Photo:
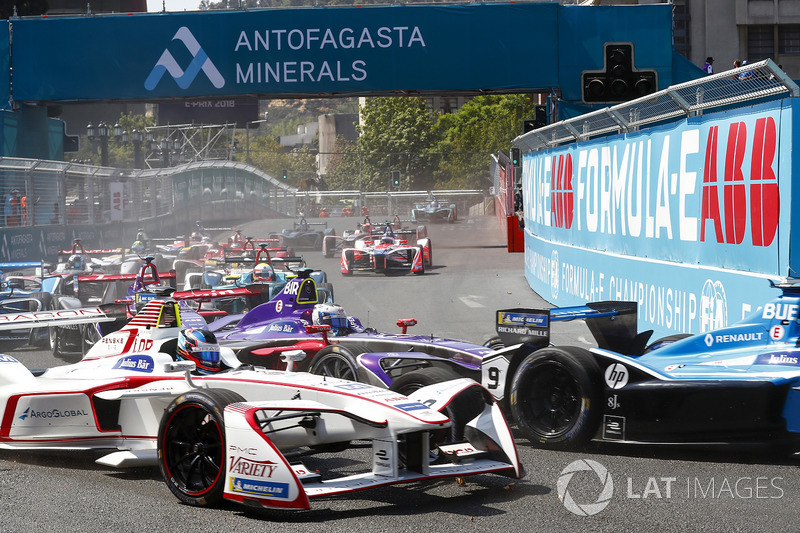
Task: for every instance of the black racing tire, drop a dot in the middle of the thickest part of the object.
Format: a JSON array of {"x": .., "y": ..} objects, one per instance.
[
  {"x": 328, "y": 249},
  {"x": 461, "y": 410},
  {"x": 494, "y": 343},
  {"x": 336, "y": 361},
  {"x": 191, "y": 445},
  {"x": 89, "y": 337},
  {"x": 412, "y": 381},
  {"x": 40, "y": 336},
  {"x": 663, "y": 341},
  {"x": 556, "y": 397},
  {"x": 56, "y": 336},
  {"x": 430, "y": 255}
]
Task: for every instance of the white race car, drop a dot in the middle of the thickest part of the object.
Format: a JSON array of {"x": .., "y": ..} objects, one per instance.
[{"x": 229, "y": 434}]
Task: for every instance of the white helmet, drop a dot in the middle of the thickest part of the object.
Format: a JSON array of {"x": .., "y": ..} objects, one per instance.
[{"x": 330, "y": 315}]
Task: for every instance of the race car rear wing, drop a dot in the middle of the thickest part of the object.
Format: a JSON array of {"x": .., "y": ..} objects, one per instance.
[
  {"x": 612, "y": 324},
  {"x": 61, "y": 317}
]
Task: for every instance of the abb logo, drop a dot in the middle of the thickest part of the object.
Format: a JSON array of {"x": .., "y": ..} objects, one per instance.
[
  {"x": 761, "y": 202},
  {"x": 562, "y": 203}
]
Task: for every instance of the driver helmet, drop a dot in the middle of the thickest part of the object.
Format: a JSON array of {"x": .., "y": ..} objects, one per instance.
[
  {"x": 263, "y": 272},
  {"x": 200, "y": 346},
  {"x": 138, "y": 247},
  {"x": 330, "y": 315},
  {"x": 75, "y": 262},
  {"x": 387, "y": 239}
]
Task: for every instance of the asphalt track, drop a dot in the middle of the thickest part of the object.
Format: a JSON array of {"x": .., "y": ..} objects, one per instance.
[{"x": 650, "y": 489}]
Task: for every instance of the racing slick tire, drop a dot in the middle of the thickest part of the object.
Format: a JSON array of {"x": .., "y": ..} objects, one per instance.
[
  {"x": 663, "y": 341},
  {"x": 461, "y": 410},
  {"x": 191, "y": 445},
  {"x": 336, "y": 361},
  {"x": 429, "y": 265},
  {"x": 89, "y": 337},
  {"x": 556, "y": 397},
  {"x": 494, "y": 343},
  {"x": 41, "y": 336}
]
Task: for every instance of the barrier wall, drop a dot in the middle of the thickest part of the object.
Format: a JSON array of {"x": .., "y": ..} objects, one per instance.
[{"x": 689, "y": 219}]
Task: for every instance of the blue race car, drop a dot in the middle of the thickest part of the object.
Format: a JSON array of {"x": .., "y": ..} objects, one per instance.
[{"x": 735, "y": 386}]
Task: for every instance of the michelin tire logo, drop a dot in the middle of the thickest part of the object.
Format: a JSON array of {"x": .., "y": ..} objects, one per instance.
[{"x": 200, "y": 61}]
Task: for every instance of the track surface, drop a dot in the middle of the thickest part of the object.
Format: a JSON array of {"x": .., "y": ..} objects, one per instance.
[{"x": 473, "y": 275}]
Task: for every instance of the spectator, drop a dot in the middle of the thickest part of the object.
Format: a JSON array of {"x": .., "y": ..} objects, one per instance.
[
  {"x": 746, "y": 74},
  {"x": 24, "y": 204},
  {"x": 12, "y": 210},
  {"x": 8, "y": 208},
  {"x": 709, "y": 66}
]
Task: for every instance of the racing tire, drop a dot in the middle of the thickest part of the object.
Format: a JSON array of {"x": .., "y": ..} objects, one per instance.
[
  {"x": 663, "y": 341},
  {"x": 494, "y": 343},
  {"x": 461, "y": 410},
  {"x": 556, "y": 397},
  {"x": 41, "y": 336},
  {"x": 430, "y": 256},
  {"x": 191, "y": 445},
  {"x": 336, "y": 361},
  {"x": 55, "y": 336},
  {"x": 89, "y": 337}
]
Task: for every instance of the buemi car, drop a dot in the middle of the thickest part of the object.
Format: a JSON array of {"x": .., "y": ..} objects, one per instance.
[
  {"x": 241, "y": 433},
  {"x": 737, "y": 386}
]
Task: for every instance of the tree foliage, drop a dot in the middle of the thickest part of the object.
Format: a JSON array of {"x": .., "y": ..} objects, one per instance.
[
  {"x": 431, "y": 151},
  {"x": 396, "y": 133}
]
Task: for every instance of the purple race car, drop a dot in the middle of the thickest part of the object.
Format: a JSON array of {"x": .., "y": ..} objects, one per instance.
[{"x": 284, "y": 333}]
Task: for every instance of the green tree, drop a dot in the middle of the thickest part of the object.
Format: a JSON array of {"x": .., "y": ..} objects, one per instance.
[
  {"x": 482, "y": 127},
  {"x": 396, "y": 133}
]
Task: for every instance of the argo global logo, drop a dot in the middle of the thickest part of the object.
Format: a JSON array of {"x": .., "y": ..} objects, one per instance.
[{"x": 200, "y": 61}]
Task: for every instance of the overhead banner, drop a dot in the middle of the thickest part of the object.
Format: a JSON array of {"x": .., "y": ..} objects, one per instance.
[
  {"x": 690, "y": 219},
  {"x": 403, "y": 49}
]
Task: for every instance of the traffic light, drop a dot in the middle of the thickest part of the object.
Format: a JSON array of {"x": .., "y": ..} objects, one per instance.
[
  {"x": 619, "y": 81},
  {"x": 539, "y": 120},
  {"x": 515, "y": 160},
  {"x": 395, "y": 179},
  {"x": 285, "y": 174}
]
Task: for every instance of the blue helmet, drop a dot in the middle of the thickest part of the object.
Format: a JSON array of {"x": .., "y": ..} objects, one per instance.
[
  {"x": 201, "y": 347},
  {"x": 75, "y": 262}
]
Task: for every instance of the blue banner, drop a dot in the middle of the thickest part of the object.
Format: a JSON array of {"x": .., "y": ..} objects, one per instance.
[
  {"x": 689, "y": 219},
  {"x": 330, "y": 51}
]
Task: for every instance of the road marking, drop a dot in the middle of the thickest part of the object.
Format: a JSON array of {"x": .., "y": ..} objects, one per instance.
[{"x": 469, "y": 301}]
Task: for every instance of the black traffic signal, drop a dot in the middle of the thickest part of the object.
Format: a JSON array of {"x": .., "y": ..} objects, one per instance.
[
  {"x": 285, "y": 174},
  {"x": 539, "y": 120},
  {"x": 515, "y": 160},
  {"x": 395, "y": 179},
  {"x": 619, "y": 81}
]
